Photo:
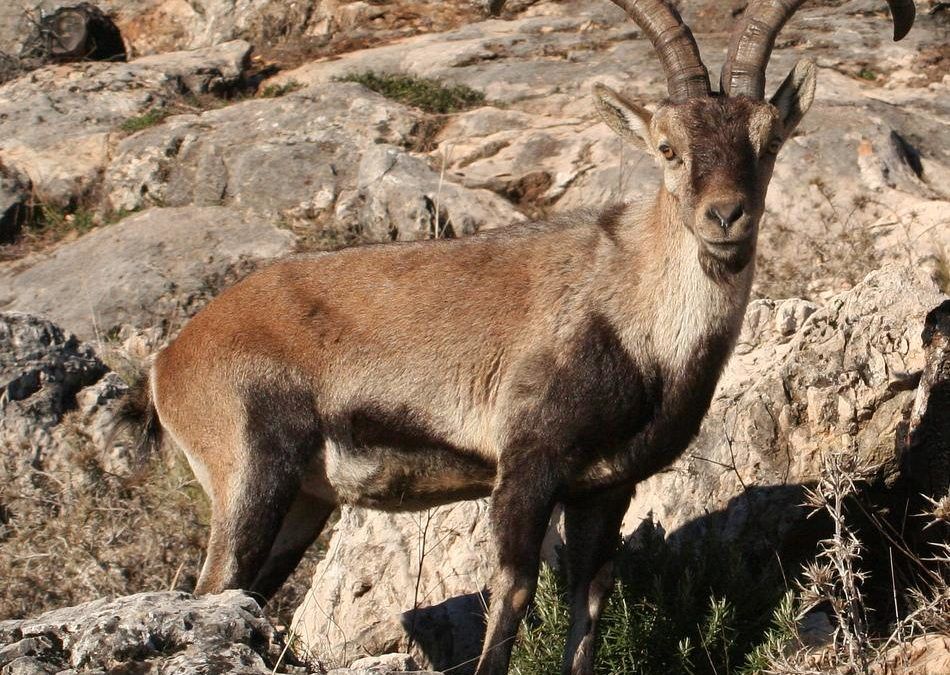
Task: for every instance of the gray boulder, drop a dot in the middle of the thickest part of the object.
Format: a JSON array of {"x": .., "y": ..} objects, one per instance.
[
  {"x": 404, "y": 198},
  {"x": 58, "y": 124},
  {"x": 288, "y": 158},
  {"x": 42, "y": 369},
  {"x": 155, "y": 267},
  {"x": 14, "y": 203},
  {"x": 165, "y": 633}
]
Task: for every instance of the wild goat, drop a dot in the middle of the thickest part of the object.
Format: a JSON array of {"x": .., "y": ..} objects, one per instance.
[{"x": 552, "y": 362}]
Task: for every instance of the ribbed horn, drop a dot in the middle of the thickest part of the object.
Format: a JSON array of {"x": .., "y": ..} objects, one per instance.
[
  {"x": 743, "y": 73},
  {"x": 686, "y": 76}
]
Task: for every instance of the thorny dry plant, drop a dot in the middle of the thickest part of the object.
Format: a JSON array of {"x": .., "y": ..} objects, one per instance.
[
  {"x": 834, "y": 577},
  {"x": 834, "y": 580}
]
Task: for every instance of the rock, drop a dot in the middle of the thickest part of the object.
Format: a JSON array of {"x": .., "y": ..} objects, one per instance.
[
  {"x": 81, "y": 32},
  {"x": 158, "y": 266},
  {"x": 14, "y": 204},
  {"x": 403, "y": 198},
  {"x": 385, "y": 662},
  {"x": 167, "y": 632},
  {"x": 923, "y": 655},
  {"x": 42, "y": 369},
  {"x": 289, "y": 158},
  {"x": 848, "y": 377},
  {"x": 58, "y": 123},
  {"x": 155, "y": 26},
  {"x": 850, "y": 192},
  {"x": 364, "y": 591},
  {"x": 855, "y": 373}
]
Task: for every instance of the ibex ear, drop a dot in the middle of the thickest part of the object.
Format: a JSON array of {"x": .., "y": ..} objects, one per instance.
[
  {"x": 795, "y": 96},
  {"x": 628, "y": 120}
]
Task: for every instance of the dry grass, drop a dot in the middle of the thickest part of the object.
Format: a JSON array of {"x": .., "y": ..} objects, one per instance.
[
  {"x": 836, "y": 584},
  {"x": 80, "y": 533},
  {"x": 76, "y": 533}
]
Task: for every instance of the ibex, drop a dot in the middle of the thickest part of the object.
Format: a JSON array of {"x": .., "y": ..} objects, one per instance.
[{"x": 556, "y": 362}]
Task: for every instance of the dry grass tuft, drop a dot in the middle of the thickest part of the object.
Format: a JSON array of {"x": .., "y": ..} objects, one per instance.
[
  {"x": 79, "y": 532},
  {"x": 83, "y": 533}
]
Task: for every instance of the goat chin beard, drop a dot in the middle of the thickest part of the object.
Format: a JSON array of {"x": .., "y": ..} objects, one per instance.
[{"x": 731, "y": 257}]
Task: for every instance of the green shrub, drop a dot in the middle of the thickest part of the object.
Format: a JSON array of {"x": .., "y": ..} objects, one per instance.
[
  {"x": 429, "y": 95},
  {"x": 700, "y": 608},
  {"x": 148, "y": 119},
  {"x": 278, "y": 90}
]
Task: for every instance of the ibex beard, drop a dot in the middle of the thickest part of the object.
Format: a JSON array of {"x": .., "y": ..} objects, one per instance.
[{"x": 556, "y": 362}]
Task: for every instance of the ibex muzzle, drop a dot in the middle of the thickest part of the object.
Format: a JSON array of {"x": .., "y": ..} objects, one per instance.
[{"x": 556, "y": 362}]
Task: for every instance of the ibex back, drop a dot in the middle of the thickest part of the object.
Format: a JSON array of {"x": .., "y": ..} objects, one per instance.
[{"x": 553, "y": 362}]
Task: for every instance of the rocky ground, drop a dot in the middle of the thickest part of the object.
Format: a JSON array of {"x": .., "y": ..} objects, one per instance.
[{"x": 132, "y": 192}]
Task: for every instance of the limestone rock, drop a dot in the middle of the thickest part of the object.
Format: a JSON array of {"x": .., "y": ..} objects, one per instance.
[
  {"x": 288, "y": 158},
  {"x": 14, "y": 203},
  {"x": 848, "y": 377},
  {"x": 42, "y": 369},
  {"x": 158, "y": 266},
  {"x": 403, "y": 198},
  {"x": 58, "y": 123},
  {"x": 364, "y": 592},
  {"x": 924, "y": 655},
  {"x": 850, "y": 192},
  {"x": 167, "y": 632},
  {"x": 387, "y": 664},
  {"x": 855, "y": 373}
]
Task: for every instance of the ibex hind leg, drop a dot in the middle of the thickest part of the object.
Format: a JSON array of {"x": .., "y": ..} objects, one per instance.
[
  {"x": 251, "y": 512},
  {"x": 244, "y": 526},
  {"x": 592, "y": 532},
  {"x": 302, "y": 525}
]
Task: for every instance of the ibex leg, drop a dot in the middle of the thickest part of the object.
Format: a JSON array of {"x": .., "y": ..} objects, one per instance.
[
  {"x": 592, "y": 532},
  {"x": 244, "y": 527},
  {"x": 302, "y": 525},
  {"x": 521, "y": 506},
  {"x": 280, "y": 436}
]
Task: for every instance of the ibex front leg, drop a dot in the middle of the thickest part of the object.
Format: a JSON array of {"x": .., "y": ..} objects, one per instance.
[
  {"x": 521, "y": 506},
  {"x": 592, "y": 531}
]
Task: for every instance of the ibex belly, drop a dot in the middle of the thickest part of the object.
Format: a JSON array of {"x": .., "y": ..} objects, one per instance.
[{"x": 397, "y": 479}]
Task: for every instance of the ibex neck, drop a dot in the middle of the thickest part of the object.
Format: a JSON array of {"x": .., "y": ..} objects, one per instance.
[{"x": 686, "y": 306}]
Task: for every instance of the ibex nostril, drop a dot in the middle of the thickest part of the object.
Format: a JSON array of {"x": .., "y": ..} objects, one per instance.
[{"x": 725, "y": 214}]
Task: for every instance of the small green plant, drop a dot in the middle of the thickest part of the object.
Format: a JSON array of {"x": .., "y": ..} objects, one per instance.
[
  {"x": 148, "y": 119},
  {"x": 432, "y": 96},
  {"x": 278, "y": 90},
  {"x": 50, "y": 223},
  {"x": 867, "y": 74},
  {"x": 698, "y": 608}
]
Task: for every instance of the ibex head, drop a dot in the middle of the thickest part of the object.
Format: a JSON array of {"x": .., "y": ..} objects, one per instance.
[{"x": 717, "y": 149}]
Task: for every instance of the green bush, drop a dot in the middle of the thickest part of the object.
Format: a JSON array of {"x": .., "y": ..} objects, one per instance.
[
  {"x": 148, "y": 119},
  {"x": 431, "y": 96},
  {"x": 699, "y": 608}
]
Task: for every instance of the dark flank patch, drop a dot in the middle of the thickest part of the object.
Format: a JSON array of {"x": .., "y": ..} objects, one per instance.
[
  {"x": 718, "y": 129},
  {"x": 591, "y": 404},
  {"x": 281, "y": 423},
  {"x": 403, "y": 428}
]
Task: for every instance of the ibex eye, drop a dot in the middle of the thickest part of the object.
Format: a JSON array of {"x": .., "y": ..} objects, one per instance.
[
  {"x": 775, "y": 145},
  {"x": 667, "y": 151}
]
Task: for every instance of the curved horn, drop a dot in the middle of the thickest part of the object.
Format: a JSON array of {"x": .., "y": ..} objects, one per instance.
[
  {"x": 743, "y": 73},
  {"x": 686, "y": 76}
]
